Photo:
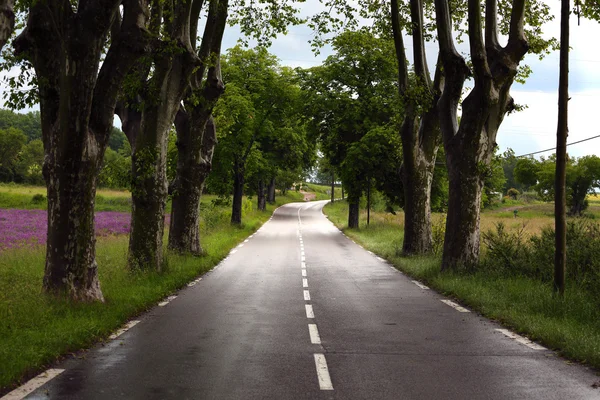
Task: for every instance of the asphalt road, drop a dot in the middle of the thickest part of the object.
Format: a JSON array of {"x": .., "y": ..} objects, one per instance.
[{"x": 299, "y": 311}]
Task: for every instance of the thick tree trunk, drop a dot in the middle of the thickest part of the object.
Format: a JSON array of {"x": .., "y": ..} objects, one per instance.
[
  {"x": 262, "y": 196},
  {"x": 194, "y": 164},
  {"x": 238, "y": 194},
  {"x": 271, "y": 191},
  {"x": 71, "y": 266},
  {"x": 560, "y": 200},
  {"x": 77, "y": 101},
  {"x": 353, "y": 213},
  {"x": 461, "y": 241},
  {"x": 7, "y": 20}
]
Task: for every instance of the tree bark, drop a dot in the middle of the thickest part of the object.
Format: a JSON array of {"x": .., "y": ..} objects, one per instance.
[
  {"x": 470, "y": 146},
  {"x": 353, "y": 212},
  {"x": 420, "y": 134},
  {"x": 77, "y": 102},
  {"x": 238, "y": 194},
  {"x": 560, "y": 200},
  {"x": 271, "y": 191},
  {"x": 262, "y": 196},
  {"x": 196, "y": 137},
  {"x": 159, "y": 103},
  {"x": 193, "y": 168},
  {"x": 7, "y": 20}
]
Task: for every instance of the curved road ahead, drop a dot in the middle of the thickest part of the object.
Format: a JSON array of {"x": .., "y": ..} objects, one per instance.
[{"x": 298, "y": 311}]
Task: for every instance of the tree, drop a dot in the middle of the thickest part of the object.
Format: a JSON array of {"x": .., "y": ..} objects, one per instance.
[
  {"x": 77, "y": 98},
  {"x": 470, "y": 143},
  {"x": 353, "y": 92},
  {"x": 196, "y": 136},
  {"x": 420, "y": 131},
  {"x": 11, "y": 142},
  {"x": 31, "y": 162},
  {"x": 526, "y": 172}
]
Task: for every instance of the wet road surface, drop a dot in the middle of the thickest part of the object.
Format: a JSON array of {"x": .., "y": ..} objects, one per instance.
[{"x": 299, "y": 311}]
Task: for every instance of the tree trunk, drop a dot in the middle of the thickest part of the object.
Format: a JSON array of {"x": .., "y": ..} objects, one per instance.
[
  {"x": 271, "y": 191},
  {"x": 353, "y": 213},
  {"x": 77, "y": 101},
  {"x": 420, "y": 133},
  {"x": 461, "y": 241},
  {"x": 7, "y": 20},
  {"x": 560, "y": 200},
  {"x": 238, "y": 194},
  {"x": 196, "y": 143},
  {"x": 369, "y": 204},
  {"x": 262, "y": 196},
  {"x": 470, "y": 145},
  {"x": 332, "y": 186}
]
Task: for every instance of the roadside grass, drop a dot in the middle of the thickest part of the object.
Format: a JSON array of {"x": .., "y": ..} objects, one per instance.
[
  {"x": 36, "y": 329},
  {"x": 569, "y": 325},
  {"x": 323, "y": 192}
]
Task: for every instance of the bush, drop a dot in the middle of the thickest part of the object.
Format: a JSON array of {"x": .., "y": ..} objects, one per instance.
[
  {"x": 513, "y": 193},
  {"x": 509, "y": 253},
  {"x": 38, "y": 199}
]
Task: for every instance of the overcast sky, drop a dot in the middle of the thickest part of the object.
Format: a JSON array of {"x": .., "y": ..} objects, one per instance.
[{"x": 532, "y": 129}]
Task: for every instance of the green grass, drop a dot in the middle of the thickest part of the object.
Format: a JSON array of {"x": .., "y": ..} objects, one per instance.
[
  {"x": 569, "y": 325},
  {"x": 36, "y": 329},
  {"x": 323, "y": 192}
]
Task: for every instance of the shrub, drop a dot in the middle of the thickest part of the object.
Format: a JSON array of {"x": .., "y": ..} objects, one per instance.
[
  {"x": 38, "y": 198},
  {"x": 513, "y": 193}
]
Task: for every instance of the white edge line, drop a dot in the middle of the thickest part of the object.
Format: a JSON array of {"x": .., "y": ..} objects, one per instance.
[
  {"x": 309, "y": 311},
  {"x": 521, "y": 339},
  {"x": 233, "y": 251},
  {"x": 323, "y": 372},
  {"x": 455, "y": 306},
  {"x": 33, "y": 384},
  {"x": 419, "y": 284},
  {"x": 124, "y": 329},
  {"x": 306, "y": 295},
  {"x": 314, "y": 334}
]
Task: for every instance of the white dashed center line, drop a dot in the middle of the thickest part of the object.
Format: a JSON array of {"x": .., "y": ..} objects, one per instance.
[
  {"x": 323, "y": 372},
  {"x": 306, "y": 295},
  {"x": 305, "y": 283},
  {"x": 309, "y": 311},
  {"x": 303, "y": 272},
  {"x": 314, "y": 334}
]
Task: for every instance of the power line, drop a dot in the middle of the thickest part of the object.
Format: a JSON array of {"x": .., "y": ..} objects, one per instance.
[{"x": 554, "y": 148}]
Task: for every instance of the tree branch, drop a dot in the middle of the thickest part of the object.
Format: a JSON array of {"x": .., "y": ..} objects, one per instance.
[
  {"x": 491, "y": 24},
  {"x": 478, "y": 54},
  {"x": 517, "y": 45},
  {"x": 7, "y": 20},
  {"x": 399, "y": 44},
  {"x": 420, "y": 58}
]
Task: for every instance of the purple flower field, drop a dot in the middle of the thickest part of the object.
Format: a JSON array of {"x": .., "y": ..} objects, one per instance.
[{"x": 20, "y": 228}]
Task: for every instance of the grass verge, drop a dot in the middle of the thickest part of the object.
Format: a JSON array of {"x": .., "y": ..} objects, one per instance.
[
  {"x": 36, "y": 329},
  {"x": 569, "y": 325}
]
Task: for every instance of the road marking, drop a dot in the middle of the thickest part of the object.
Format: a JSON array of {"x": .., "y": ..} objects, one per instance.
[
  {"x": 306, "y": 295},
  {"x": 303, "y": 264},
  {"x": 31, "y": 385},
  {"x": 303, "y": 272},
  {"x": 521, "y": 339},
  {"x": 323, "y": 372},
  {"x": 241, "y": 245},
  {"x": 233, "y": 252},
  {"x": 419, "y": 284},
  {"x": 124, "y": 329},
  {"x": 455, "y": 306},
  {"x": 304, "y": 282},
  {"x": 309, "y": 311},
  {"x": 167, "y": 301},
  {"x": 381, "y": 259},
  {"x": 302, "y": 258},
  {"x": 246, "y": 241},
  {"x": 302, "y": 253},
  {"x": 314, "y": 334}
]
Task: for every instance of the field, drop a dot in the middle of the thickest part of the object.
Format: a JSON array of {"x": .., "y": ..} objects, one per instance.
[{"x": 36, "y": 329}]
